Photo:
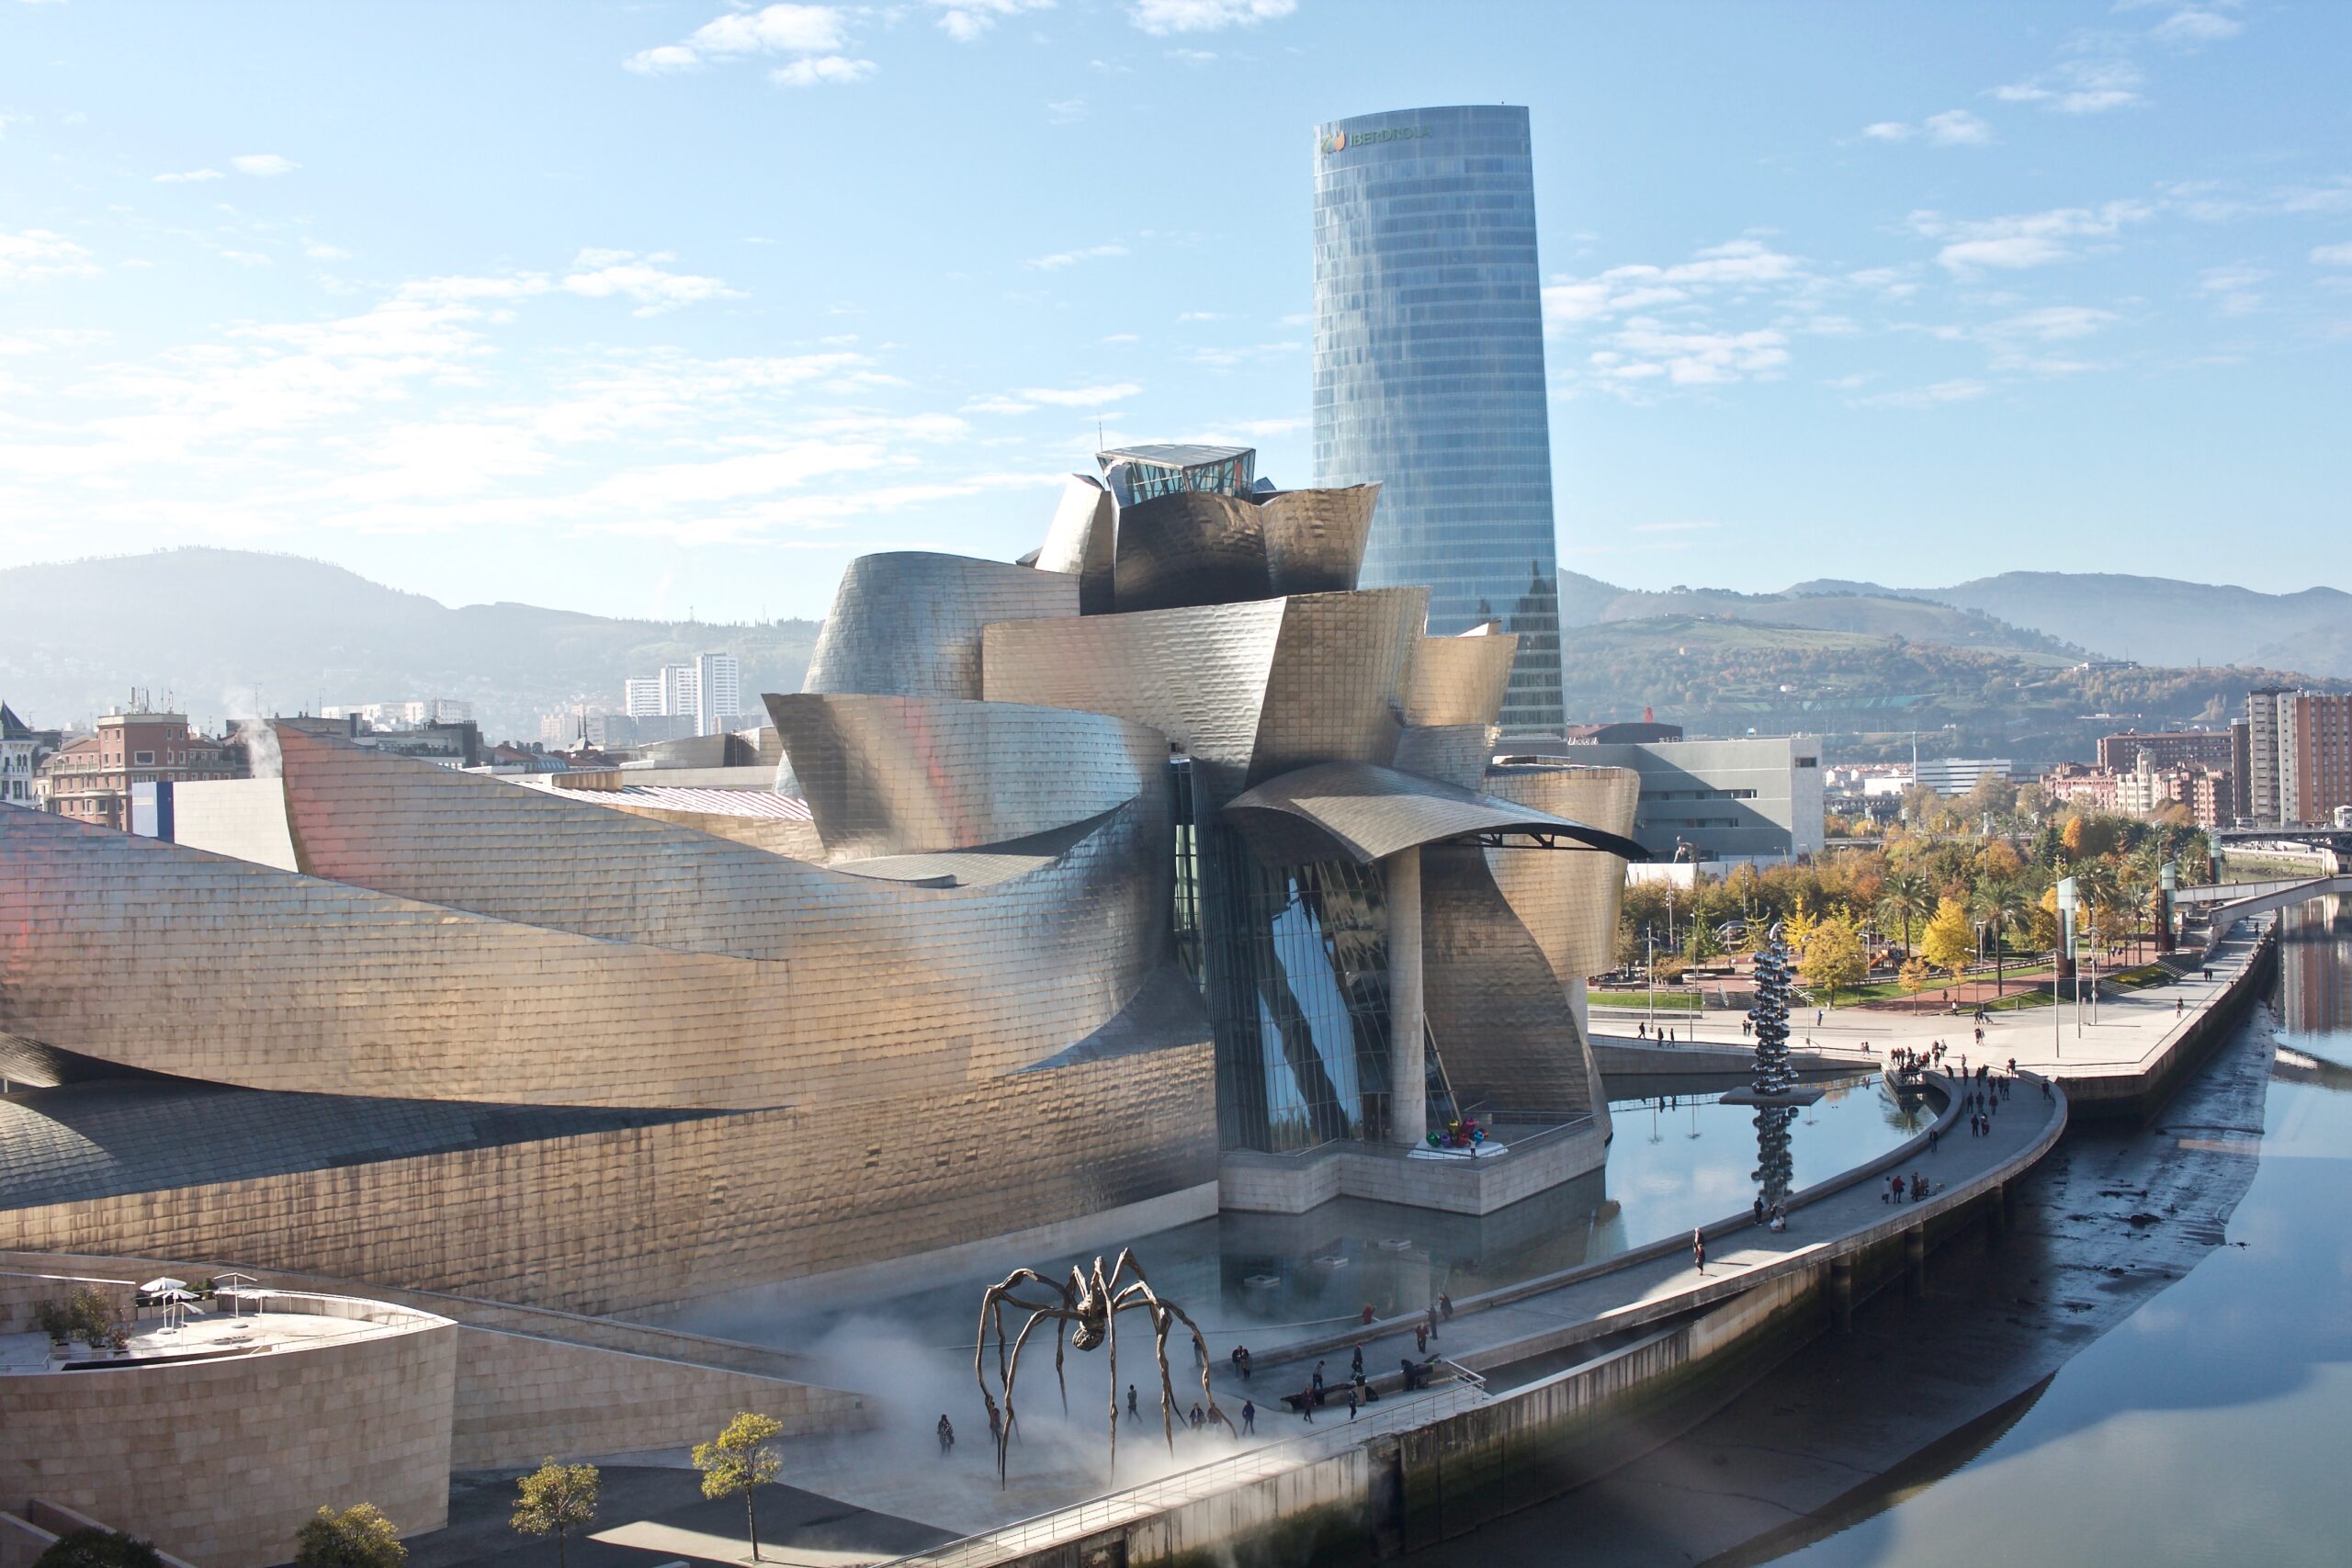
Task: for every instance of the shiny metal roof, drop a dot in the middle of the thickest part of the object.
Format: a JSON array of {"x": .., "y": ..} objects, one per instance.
[
  {"x": 1370, "y": 812},
  {"x": 1170, "y": 455}
]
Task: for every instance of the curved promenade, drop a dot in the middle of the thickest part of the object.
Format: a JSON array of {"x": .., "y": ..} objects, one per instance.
[{"x": 1661, "y": 1315}]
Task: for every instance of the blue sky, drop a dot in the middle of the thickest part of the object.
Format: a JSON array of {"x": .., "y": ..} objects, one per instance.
[{"x": 646, "y": 308}]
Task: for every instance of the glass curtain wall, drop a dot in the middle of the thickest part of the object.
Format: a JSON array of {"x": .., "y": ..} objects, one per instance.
[
  {"x": 1292, "y": 962},
  {"x": 1429, "y": 372}
]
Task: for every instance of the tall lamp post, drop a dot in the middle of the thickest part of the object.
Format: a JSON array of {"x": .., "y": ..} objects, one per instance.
[{"x": 2066, "y": 949}]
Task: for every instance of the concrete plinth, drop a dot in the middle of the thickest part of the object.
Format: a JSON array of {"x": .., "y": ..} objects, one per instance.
[{"x": 1802, "y": 1095}]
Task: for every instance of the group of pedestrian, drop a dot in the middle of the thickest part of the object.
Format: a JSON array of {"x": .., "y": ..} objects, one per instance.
[
  {"x": 1664, "y": 1036},
  {"x": 1773, "y": 1218},
  {"x": 1241, "y": 1362},
  {"x": 1901, "y": 1191}
]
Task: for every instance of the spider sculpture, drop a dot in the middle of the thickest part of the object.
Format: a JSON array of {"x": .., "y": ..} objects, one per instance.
[{"x": 1087, "y": 1308}]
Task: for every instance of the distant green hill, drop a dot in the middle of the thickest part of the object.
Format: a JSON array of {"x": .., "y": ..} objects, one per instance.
[
  {"x": 1868, "y": 693},
  {"x": 200, "y": 625},
  {"x": 1855, "y": 607}
]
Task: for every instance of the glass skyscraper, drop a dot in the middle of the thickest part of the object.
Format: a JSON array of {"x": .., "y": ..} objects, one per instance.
[{"x": 1429, "y": 372}]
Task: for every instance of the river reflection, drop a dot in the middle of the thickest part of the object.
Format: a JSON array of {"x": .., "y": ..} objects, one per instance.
[{"x": 2212, "y": 1425}]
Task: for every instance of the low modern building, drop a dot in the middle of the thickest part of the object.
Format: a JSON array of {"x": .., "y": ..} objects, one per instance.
[
  {"x": 1754, "y": 800},
  {"x": 1950, "y": 776},
  {"x": 1172, "y": 871}
]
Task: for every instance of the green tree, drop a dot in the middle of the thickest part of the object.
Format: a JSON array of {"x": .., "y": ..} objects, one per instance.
[
  {"x": 1909, "y": 896},
  {"x": 739, "y": 1460},
  {"x": 1833, "y": 957},
  {"x": 360, "y": 1537},
  {"x": 1915, "y": 975},
  {"x": 97, "y": 1549},
  {"x": 2004, "y": 906},
  {"x": 556, "y": 1499},
  {"x": 1949, "y": 942}
]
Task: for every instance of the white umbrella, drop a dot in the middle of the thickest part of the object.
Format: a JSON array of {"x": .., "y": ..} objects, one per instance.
[
  {"x": 178, "y": 1302},
  {"x": 157, "y": 1287}
]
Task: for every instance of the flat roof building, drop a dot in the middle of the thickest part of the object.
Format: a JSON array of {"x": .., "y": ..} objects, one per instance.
[
  {"x": 1429, "y": 372},
  {"x": 1753, "y": 799}
]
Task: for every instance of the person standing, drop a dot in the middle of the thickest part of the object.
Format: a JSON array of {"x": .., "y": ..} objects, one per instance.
[
  {"x": 1352, "y": 1402},
  {"x": 1133, "y": 1413},
  {"x": 1430, "y": 1317},
  {"x": 1699, "y": 1251},
  {"x": 1306, "y": 1406},
  {"x": 947, "y": 1434},
  {"x": 1317, "y": 1382},
  {"x": 1249, "y": 1419},
  {"x": 1421, "y": 1339}
]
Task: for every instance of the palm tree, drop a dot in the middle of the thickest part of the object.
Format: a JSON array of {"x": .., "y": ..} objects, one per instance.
[
  {"x": 2004, "y": 906},
  {"x": 1909, "y": 896},
  {"x": 2095, "y": 882}
]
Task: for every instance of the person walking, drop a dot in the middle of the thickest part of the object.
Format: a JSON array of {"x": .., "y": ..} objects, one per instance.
[
  {"x": 947, "y": 1434},
  {"x": 1445, "y": 1306},
  {"x": 1133, "y": 1413},
  {"x": 1317, "y": 1382},
  {"x": 1352, "y": 1402},
  {"x": 1306, "y": 1406},
  {"x": 1699, "y": 1251},
  {"x": 1249, "y": 1419},
  {"x": 1355, "y": 1361},
  {"x": 1421, "y": 1339},
  {"x": 1430, "y": 1317},
  {"x": 1198, "y": 1419}
]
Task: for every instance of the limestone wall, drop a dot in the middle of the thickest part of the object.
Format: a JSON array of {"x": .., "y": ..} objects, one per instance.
[
  {"x": 222, "y": 1460},
  {"x": 520, "y": 1399}
]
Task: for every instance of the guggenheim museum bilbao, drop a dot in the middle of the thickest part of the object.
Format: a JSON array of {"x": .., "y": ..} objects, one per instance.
[{"x": 1166, "y": 868}]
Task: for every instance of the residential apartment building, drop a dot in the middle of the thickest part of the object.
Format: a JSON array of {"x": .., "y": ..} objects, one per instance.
[
  {"x": 1957, "y": 775},
  {"x": 719, "y": 694},
  {"x": 21, "y": 750},
  {"x": 2167, "y": 749},
  {"x": 2299, "y": 756},
  {"x": 2085, "y": 789},
  {"x": 91, "y": 779}
]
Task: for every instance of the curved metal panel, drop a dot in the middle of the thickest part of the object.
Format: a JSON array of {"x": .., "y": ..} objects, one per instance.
[
  {"x": 1190, "y": 547},
  {"x": 287, "y": 982},
  {"x": 1368, "y": 813},
  {"x": 1198, "y": 675},
  {"x": 908, "y": 623},
  {"x": 1493, "y": 1006},
  {"x": 1450, "y": 753},
  {"x": 1081, "y": 540},
  {"x": 1568, "y": 903},
  {"x": 914, "y": 775},
  {"x": 1460, "y": 679},
  {"x": 1315, "y": 538},
  {"x": 1336, "y": 690}
]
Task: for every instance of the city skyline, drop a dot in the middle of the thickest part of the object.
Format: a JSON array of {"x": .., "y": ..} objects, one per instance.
[{"x": 515, "y": 316}]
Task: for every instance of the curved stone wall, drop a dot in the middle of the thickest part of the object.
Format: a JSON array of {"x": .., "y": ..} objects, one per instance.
[
  {"x": 222, "y": 1462},
  {"x": 1460, "y": 679},
  {"x": 907, "y": 622}
]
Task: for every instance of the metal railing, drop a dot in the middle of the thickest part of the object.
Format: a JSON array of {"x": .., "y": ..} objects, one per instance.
[{"x": 1112, "y": 1508}]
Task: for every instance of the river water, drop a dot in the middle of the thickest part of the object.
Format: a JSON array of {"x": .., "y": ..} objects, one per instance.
[
  {"x": 2214, "y": 1425},
  {"x": 2154, "y": 1368}
]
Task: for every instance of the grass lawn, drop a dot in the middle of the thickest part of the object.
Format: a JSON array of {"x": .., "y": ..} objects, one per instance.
[{"x": 1667, "y": 1001}]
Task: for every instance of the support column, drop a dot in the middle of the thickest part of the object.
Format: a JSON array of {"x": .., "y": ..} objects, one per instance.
[
  {"x": 1914, "y": 1261},
  {"x": 1996, "y": 1213},
  {"x": 1407, "y": 1063},
  {"x": 1841, "y": 1293}
]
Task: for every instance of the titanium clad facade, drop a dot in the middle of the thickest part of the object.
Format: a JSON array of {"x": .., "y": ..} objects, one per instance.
[{"x": 1429, "y": 372}]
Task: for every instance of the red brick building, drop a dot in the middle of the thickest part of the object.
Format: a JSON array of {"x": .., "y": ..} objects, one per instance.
[{"x": 90, "y": 779}]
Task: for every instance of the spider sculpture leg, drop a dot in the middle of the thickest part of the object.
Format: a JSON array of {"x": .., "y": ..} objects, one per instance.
[
  {"x": 1110, "y": 1336},
  {"x": 1004, "y": 1437}
]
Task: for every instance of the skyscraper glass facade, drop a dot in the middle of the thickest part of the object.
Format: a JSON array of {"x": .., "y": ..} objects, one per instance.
[{"x": 1429, "y": 372}]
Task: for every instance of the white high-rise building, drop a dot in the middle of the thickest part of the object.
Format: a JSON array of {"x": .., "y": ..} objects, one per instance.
[
  {"x": 681, "y": 691},
  {"x": 718, "y": 693},
  {"x": 641, "y": 697}
]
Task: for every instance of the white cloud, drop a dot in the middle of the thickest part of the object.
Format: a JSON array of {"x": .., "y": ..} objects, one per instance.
[
  {"x": 1194, "y": 56},
  {"x": 820, "y": 69},
  {"x": 594, "y": 274},
  {"x": 1692, "y": 359},
  {"x": 318, "y": 251},
  {"x": 1888, "y": 131},
  {"x": 264, "y": 165},
  {"x": 2332, "y": 255},
  {"x": 1080, "y": 396},
  {"x": 1958, "y": 128},
  {"x": 2193, "y": 27},
  {"x": 965, "y": 20},
  {"x": 1061, "y": 259},
  {"x": 774, "y": 29},
  {"x": 1736, "y": 265},
  {"x": 1068, "y": 111},
  {"x": 36, "y": 255},
  {"x": 2024, "y": 240},
  {"x": 2079, "y": 86},
  {"x": 188, "y": 176},
  {"x": 1226, "y": 358},
  {"x": 2233, "y": 289},
  {"x": 1941, "y": 392},
  {"x": 1160, "y": 18}
]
